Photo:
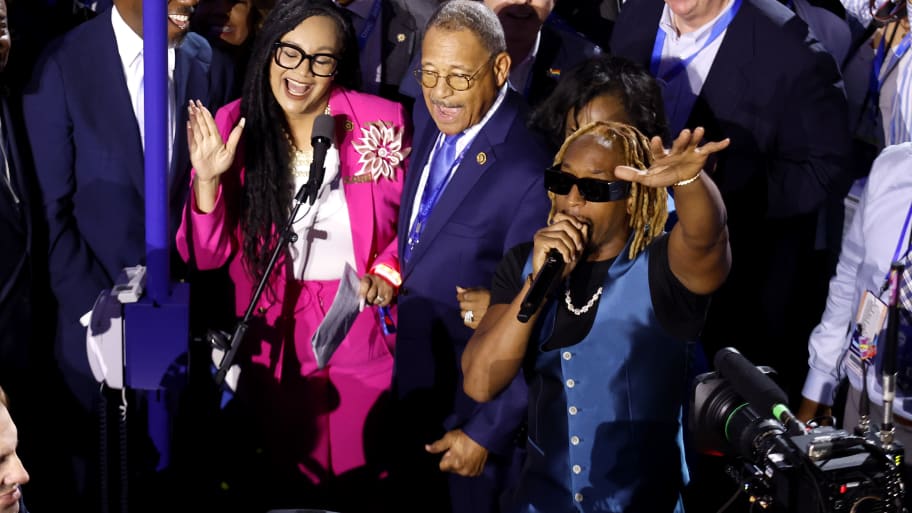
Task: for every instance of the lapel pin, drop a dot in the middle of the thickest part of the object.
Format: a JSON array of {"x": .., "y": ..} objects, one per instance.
[
  {"x": 481, "y": 158},
  {"x": 400, "y": 37},
  {"x": 349, "y": 126}
]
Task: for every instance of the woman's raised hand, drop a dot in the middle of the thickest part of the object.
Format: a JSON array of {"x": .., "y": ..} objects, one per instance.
[{"x": 209, "y": 154}]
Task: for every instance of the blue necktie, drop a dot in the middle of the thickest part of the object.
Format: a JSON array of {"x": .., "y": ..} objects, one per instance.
[{"x": 439, "y": 171}]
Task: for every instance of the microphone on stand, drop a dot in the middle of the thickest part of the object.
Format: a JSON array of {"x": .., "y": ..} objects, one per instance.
[
  {"x": 321, "y": 139},
  {"x": 888, "y": 375},
  {"x": 549, "y": 273}
]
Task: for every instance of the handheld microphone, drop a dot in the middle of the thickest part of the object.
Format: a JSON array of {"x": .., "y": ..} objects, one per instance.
[
  {"x": 321, "y": 140},
  {"x": 756, "y": 387},
  {"x": 550, "y": 271}
]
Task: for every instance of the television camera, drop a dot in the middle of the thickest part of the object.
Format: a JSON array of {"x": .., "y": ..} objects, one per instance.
[{"x": 781, "y": 464}]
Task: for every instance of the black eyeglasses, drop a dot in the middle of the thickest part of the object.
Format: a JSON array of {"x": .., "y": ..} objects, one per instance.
[
  {"x": 887, "y": 11},
  {"x": 591, "y": 189},
  {"x": 456, "y": 82},
  {"x": 289, "y": 56}
]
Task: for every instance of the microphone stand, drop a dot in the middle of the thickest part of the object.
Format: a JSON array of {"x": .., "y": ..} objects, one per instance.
[
  {"x": 887, "y": 430},
  {"x": 308, "y": 191},
  {"x": 864, "y": 404}
]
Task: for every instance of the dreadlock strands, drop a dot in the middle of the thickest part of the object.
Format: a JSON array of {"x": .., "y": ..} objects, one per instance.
[{"x": 648, "y": 205}]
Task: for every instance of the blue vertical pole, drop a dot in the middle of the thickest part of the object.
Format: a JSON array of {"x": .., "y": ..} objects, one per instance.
[{"x": 155, "y": 55}]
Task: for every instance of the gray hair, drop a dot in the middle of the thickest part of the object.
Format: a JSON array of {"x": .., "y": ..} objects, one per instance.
[{"x": 473, "y": 16}]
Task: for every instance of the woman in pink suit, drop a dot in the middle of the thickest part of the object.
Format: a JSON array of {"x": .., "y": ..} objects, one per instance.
[{"x": 315, "y": 433}]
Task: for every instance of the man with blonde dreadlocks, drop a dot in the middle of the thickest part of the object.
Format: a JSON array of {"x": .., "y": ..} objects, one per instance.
[{"x": 606, "y": 355}]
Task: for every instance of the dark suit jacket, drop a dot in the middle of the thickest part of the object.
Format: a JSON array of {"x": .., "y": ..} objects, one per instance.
[
  {"x": 778, "y": 95},
  {"x": 401, "y": 39},
  {"x": 15, "y": 259},
  {"x": 495, "y": 200},
  {"x": 560, "y": 49},
  {"x": 89, "y": 163}
]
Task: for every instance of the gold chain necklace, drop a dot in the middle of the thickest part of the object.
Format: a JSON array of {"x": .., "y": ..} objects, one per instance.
[
  {"x": 300, "y": 160},
  {"x": 585, "y": 308}
]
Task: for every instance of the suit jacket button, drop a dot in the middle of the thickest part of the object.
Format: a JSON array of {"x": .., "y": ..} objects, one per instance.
[
  {"x": 403, "y": 291},
  {"x": 261, "y": 309}
]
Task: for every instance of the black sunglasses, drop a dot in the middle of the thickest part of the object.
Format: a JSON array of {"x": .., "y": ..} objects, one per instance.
[{"x": 591, "y": 189}]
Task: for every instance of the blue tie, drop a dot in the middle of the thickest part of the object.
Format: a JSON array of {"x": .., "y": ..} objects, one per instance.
[{"x": 439, "y": 171}]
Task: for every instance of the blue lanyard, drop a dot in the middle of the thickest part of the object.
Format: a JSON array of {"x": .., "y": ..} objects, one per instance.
[
  {"x": 369, "y": 24},
  {"x": 429, "y": 198},
  {"x": 717, "y": 29},
  {"x": 876, "y": 83}
]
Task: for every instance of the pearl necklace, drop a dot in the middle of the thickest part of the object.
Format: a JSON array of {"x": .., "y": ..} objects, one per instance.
[
  {"x": 299, "y": 163},
  {"x": 585, "y": 308}
]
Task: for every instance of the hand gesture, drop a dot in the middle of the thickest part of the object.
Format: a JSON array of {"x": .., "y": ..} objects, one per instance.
[
  {"x": 375, "y": 290},
  {"x": 567, "y": 234},
  {"x": 461, "y": 454},
  {"x": 209, "y": 155},
  {"x": 473, "y": 304},
  {"x": 683, "y": 161}
]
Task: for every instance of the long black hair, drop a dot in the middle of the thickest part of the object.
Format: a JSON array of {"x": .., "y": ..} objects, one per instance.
[
  {"x": 637, "y": 90},
  {"x": 268, "y": 184}
]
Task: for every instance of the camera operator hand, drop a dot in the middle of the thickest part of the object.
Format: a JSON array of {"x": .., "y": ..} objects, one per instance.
[{"x": 811, "y": 410}]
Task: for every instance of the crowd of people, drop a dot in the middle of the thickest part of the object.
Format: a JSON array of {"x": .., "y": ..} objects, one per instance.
[{"x": 701, "y": 173}]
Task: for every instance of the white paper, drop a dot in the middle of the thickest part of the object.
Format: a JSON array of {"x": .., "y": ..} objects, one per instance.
[{"x": 339, "y": 319}]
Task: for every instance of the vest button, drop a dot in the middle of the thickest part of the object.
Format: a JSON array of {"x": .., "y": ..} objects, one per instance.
[
  {"x": 571, "y": 383},
  {"x": 572, "y": 410},
  {"x": 567, "y": 355},
  {"x": 577, "y": 469},
  {"x": 575, "y": 440},
  {"x": 578, "y": 497}
]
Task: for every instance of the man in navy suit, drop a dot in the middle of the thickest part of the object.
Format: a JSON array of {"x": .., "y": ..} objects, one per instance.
[
  {"x": 754, "y": 73},
  {"x": 540, "y": 44},
  {"x": 473, "y": 191},
  {"x": 20, "y": 292},
  {"x": 83, "y": 110}
]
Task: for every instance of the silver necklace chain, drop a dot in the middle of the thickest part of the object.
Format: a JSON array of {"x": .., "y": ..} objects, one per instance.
[{"x": 585, "y": 308}]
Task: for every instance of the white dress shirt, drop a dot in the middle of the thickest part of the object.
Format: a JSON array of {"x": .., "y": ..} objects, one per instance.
[
  {"x": 324, "y": 242},
  {"x": 130, "y": 48},
  {"x": 867, "y": 251},
  {"x": 461, "y": 145},
  {"x": 521, "y": 74},
  {"x": 681, "y": 92}
]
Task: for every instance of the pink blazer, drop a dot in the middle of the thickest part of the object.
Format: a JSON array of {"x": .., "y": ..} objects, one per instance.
[{"x": 361, "y": 369}]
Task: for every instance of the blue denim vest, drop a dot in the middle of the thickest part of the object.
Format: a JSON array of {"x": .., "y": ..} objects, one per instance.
[{"x": 605, "y": 429}]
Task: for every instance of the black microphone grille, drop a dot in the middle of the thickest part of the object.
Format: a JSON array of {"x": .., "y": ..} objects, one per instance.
[{"x": 323, "y": 126}]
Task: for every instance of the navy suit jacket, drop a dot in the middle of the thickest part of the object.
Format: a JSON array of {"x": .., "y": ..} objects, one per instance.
[
  {"x": 778, "y": 95},
  {"x": 495, "y": 200},
  {"x": 89, "y": 163},
  {"x": 16, "y": 229},
  {"x": 560, "y": 49}
]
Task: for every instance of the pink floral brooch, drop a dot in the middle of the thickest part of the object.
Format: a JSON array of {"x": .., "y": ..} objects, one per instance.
[{"x": 381, "y": 149}]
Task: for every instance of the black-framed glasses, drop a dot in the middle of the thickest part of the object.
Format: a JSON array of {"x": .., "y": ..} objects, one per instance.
[
  {"x": 591, "y": 189},
  {"x": 456, "y": 81},
  {"x": 887, "y": 11},
  {"x": 290, "y": 56}
]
